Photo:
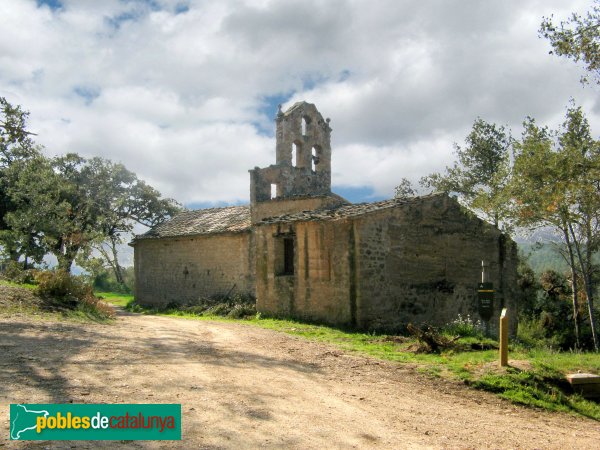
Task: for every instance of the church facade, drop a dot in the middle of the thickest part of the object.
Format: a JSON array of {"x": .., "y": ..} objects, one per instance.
[{"x": 307, "y": 253}]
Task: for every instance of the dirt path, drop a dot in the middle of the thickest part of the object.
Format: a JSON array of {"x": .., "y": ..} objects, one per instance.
[{"x": 245, "y": 387}]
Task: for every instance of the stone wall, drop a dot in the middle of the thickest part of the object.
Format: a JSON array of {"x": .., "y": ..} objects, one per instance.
[
  {"x": 281, "y": 206},
  {"x": 320, "y": 287},
  {"x": 303, "y": 157},
  {"x": 421, "y": 263},
  {"x": 182, "y": 270},
  {"x": 418, "y": 262}
]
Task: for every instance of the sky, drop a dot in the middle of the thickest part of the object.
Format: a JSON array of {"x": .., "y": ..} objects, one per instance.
[{"x": 184, "y": 92}]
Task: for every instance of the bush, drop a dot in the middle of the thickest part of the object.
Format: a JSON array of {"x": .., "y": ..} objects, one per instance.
[
  {"x": 62, "y": 286},
  {"x": 240, "y": 311},
  {"x": 236, "y": 306},
  {"x": 464, "y": 327},
  {"x": 105, "y": 281},
  {"x": 14, "y": 272},
  {"x": 93, "y": 306}
]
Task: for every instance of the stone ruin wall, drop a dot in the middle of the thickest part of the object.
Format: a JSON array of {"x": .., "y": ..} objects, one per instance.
[
  {"x": 418, "y": 263},
  {"x": 319, "y": 289},
  {"x": 183, "y": 270},
  {"x": 421, "y": 263}
]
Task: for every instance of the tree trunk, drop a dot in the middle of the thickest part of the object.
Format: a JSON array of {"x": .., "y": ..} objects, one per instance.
[
  {"x": 66, "y": 255},
  {"x": 65, "y": 262},
  {"x": 586, "y": 268},
  {"x": 116, "y": 267},
  {"x": 573, "y": 285}
]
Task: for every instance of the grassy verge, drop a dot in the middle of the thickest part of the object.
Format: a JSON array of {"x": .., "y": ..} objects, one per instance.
[
  {"x": 115, "y": 298},
  {"x": 23, "y": 300},
  {"x": 29, "y": 286},
  {"x": 536, "y": 378}
]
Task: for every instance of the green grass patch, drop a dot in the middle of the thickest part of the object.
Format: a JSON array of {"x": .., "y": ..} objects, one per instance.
[
  {"x": 115, "y": 298},
  {"x": 24, "y": 285},
  {"x": 532, "y": 388}
]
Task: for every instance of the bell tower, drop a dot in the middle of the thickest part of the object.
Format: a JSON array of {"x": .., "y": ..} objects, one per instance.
[{"x": 302, "y": 168}]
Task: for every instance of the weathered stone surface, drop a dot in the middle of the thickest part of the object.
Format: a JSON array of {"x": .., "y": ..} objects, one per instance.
[
  {"x": 185, "y": 269},
  {"x": 303, "y": 157},
  {"x": 385, "y": 264}
]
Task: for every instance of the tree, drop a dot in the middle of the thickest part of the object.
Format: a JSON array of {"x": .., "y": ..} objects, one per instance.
[
  {"x": 404, "y": 189},
  {"x": 80, "y": 205},
  {"x": 125, "y": 200},
  {"x": 577, "y": 38},
  {"x": 481, "y": 172},
  {"x": 16, "y": 148},
  {"x": 69, "y": 205},
  {"x": 555, "y": 184}
]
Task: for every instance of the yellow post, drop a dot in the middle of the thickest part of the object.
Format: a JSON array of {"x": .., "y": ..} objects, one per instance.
[{"x": 503, "y": 339}]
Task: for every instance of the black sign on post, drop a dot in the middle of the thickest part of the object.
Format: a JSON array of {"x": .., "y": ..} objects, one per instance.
[{"x": 485, "y": 295}]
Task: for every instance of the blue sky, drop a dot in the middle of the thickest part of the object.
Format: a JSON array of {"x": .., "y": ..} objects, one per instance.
[{"x": 184, "y": 92}]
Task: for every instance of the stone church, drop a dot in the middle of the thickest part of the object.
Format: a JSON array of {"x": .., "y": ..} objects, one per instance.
[{"x": 304, "y": 252}]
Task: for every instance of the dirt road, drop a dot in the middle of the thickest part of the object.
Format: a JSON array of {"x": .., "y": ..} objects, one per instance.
[{"x": 245, "y": 387}]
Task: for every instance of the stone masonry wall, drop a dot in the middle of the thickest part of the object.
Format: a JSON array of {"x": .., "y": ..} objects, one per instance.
[
  {"x": 320, "y": 287},
  {"x": 421, "y": 263},
  {"x": 182, "y": 270},
  {"x": 280, "y": 206}
]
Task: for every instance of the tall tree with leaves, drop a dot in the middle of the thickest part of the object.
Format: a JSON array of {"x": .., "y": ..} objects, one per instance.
[
  {"x": 553, "y": 186},
  {"x": 16, "y": 148},
  {"x": 577, "y": 38},
  {"x": 481, "y": 172},
  {"x": 80, "y": 204},
  {"x": 125, "y": 200}
]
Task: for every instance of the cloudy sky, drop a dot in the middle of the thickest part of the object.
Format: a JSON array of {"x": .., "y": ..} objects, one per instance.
[{"x": 184, "y": 92}]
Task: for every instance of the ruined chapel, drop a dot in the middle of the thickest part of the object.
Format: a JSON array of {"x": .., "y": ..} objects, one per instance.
[{"x": 304, "y": 252}]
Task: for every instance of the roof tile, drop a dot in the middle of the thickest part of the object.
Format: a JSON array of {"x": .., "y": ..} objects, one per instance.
[{"x": 232, "y": 219}]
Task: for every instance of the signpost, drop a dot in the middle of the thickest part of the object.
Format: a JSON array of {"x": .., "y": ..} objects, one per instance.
[{"x": 485, "y": 297}]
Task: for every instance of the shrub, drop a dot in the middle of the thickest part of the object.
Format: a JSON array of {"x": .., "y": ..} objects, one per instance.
[
  {"x": 14, "y": 272},
  {"x": 464, "y": 327},
  {"x": 240, "y": 311},
  {"x": 237, "y": 306},
  {"x": 93, "y": 306},
  {"x": 105, "y": 281},
  {"x": 62, "y": 286}
]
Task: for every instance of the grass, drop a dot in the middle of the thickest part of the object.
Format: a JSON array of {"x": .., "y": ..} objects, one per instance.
[
  {"x": 27, "y": 302},
  {"x": 541, "y": 383},
  {"x": 115, "y": 298},
  {"x": 29, "y": 286}
]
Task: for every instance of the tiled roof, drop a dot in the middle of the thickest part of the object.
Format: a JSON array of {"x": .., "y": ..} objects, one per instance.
[
  {"x": 232, "y": 219},
  {"x": 343, "y": 211}
]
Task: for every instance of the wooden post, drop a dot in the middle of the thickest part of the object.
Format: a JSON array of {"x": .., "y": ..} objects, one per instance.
[{"x": 503, "y": 339}]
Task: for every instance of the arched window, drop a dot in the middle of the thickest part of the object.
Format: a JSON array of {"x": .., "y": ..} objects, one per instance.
[
  {"x": 273, "y": 191},
  {"x": 304, "y": 126},
  {"x": 314, "y": 159}
]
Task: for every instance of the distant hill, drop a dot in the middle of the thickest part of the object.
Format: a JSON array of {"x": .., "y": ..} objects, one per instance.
[{"x": 543, "y": 257}]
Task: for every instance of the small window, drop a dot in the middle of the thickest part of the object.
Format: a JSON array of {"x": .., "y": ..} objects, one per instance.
[
  {"x": 304, "y": 125},
  {"x": 288, "y": 256},
  {"x": 294, "y": 154},
  {"x": 314, "y": 160},
  {"x": 273, "y": 191}
]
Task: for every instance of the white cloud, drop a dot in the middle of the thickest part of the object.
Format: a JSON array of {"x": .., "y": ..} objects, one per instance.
[{"x": 179, "y": 98}]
